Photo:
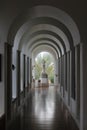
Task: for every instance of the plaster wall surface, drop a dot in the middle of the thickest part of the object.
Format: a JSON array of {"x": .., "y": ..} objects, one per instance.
[{"x": 2, "y": 83}]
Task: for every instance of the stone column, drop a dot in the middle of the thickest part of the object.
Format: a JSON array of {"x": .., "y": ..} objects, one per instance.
[
  {"x": 65, "y": 73},
  {"x": 24, "y": 59},
  {"x": 72, "y": 82},
  {"x": 18, "y": 75},
  {"x": 30, "y": 72},
  {"x": 68, "y": 76},
  {"x": 59, "y": 73},
  {"x": 77, "y": 79},
  {"x": 83, "y": 90},
  {"x": 62, "y": 75},
  {"x": 8, "y": 80},
  {"x": 27, "y": 73},
  {"x": 72, "y": 75},
  {"x": 56, "y": 73}
]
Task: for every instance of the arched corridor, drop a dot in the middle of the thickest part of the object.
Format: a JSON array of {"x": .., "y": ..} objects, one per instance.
[{"x": 28, "y": 28}]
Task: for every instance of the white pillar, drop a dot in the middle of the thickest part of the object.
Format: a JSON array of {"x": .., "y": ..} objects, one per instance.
[
  {"x": 77, "y": 79},
  {"x": 68, "y": 76},
  {"x": 56, "y": 72},
  {"x": 62, "y": 74},
  {"x": 30, "y": 72},
  {"x": 59, "y": 76},
  {"x": 33, "y": 65},
  {"x": 83, "y": 83},
  {"x": 65, "y": 73}
]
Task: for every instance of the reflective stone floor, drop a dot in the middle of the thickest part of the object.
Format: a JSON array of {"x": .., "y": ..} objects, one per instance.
[{"x": 43, "y": 110}]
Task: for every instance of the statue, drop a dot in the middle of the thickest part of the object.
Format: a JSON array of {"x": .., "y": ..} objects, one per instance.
[
  {"x": 43, "y": 69},
  {"x": 44, "y": 76}
]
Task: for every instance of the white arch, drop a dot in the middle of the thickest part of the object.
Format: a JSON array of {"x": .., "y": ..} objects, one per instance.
[
  {"x": 44, "y": 27},
  {"x": 47, "y": 48},
  {"x": 29, "y": 50},
  {"x": 43, "y": 36},
  {"x": 48, "y": 11}
]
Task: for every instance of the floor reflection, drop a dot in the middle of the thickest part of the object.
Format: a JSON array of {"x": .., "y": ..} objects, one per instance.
[
  {"x": 44, "y": 106},
  {"x": 43, "y": 110}
]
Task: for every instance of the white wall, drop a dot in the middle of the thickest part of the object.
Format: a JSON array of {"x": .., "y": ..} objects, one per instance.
[
  {"x": 14, "y": 73},
  {"x": 3, "y": 32},
  {"x": 56, "y": 71},
  {"x": 2, "y": 90},
  {"x": 22, "y": 73},
  {"x": 26, "y": 72},
  {"x": 4, "y": 26}
]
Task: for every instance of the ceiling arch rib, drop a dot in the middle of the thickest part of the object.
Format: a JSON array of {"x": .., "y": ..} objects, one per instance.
[
  {"x": 45, "y": 36},
  {"x": 44, "y": 48},
  {"x": 46, "y": 28},
  {"x": 58, "y": 39},
  {"x": 22, "y": 32},
  {"x": 51, "y": 42},
  {"x": 44, "y": 42},
  {"x": 46, "y": 11}
]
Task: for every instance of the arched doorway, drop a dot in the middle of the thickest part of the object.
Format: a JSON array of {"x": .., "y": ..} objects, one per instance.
[{"x": 50, "y": 67}]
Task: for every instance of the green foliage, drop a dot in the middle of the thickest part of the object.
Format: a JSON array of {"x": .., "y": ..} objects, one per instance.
[
  {"x": 49, "y": 66},
  {"x": 52, "y": 79}
]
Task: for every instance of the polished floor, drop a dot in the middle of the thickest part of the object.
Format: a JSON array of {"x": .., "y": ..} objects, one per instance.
[{"x": 43, "y": 110}]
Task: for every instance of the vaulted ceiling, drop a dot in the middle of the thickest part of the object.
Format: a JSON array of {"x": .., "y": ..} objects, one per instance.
[{"x": 30, "y": 23}]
